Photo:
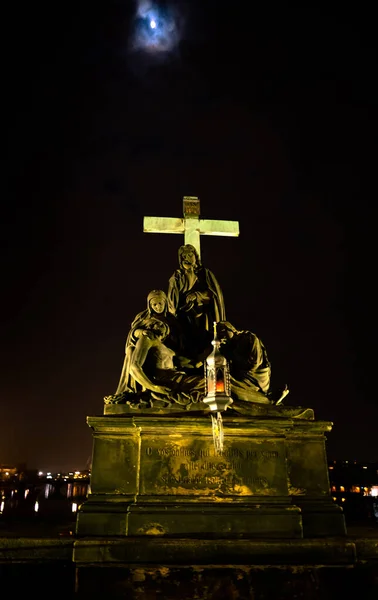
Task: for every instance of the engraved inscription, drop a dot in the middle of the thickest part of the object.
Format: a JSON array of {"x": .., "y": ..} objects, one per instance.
[
  {"x": 191, "y": 206},
  {"x": 231, "y": 480},
  {"x": 231, "y": 453},
  {"x": 210, "y": 466},
  {"x": 195, "y": 467},
  {"x": 261, "y": 454}
]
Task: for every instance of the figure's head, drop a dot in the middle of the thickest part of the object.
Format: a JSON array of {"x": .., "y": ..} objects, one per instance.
[
  {"x": 225, "y": 330},
  {"x": 188, "y": 257},
  {"x": 158, "y": 328},
  {"x": 157, "y": 301}
]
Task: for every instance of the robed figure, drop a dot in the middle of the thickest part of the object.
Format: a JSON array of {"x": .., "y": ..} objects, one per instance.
[
  {"x": 157, "y": 306},
  {"x": 250, "y": 368},
  {"x": 196, "y": 299}
]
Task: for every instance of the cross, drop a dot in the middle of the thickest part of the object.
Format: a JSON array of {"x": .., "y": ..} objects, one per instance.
[{"x": 191, "y": 225}]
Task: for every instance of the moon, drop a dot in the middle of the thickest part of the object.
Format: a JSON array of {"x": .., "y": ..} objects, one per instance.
[{"x": 155, "y": 29}]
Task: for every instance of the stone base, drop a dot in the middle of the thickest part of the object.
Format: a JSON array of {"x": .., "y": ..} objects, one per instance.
[
  {"x": 321, "y": 517},
  {"x": 149, "y": 568},
  {"x": 184, "y": 551},
  {"x": 163, "y": 517},
  {"x": 159, "y": 475},
  {"x": 239, "y": 407}
]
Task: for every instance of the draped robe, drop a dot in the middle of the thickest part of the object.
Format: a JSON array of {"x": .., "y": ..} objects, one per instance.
[{"x": 196, "y": 319}]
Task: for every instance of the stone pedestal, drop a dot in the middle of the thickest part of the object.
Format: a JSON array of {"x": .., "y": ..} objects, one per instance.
[
  {"x": 150, "y": 568},
  {"x": 157, "y": 474}
]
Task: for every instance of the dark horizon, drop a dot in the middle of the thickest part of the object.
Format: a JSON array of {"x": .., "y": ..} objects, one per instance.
[{"x": 271, "y": 121}]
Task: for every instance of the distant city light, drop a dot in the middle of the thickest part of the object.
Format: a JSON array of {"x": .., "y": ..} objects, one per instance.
[
  {"x": 74, "y": 507},
  {"x": 40, "y": 473},
  {"x": 26, "y": 493},
  {"x": 2, "y": 507},
  {"x": 36, "y": 506},
  {"x": 7, "y": 473},
  {"x": 374, "y": 491}
]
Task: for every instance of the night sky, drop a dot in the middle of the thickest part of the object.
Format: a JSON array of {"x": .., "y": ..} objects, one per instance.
[{"x": 270, "y": 118}]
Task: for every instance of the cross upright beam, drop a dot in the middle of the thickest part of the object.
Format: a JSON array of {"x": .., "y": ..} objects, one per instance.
[{"x": 191, "y": 225}]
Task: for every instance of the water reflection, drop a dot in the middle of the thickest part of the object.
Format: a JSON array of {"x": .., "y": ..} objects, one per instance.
[
  {"x": 45, "y": 498},
  {"x": 48, "y": 489}
]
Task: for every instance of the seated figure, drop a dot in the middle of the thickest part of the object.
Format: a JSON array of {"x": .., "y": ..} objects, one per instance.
[
  {"x": 157, "y": 306},
  {"x": 154, "y": 366},
  {"x": 250, "y": 368}
]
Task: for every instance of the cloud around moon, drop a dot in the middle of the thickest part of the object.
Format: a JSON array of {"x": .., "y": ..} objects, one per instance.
[{"x": 156, "y": 30}]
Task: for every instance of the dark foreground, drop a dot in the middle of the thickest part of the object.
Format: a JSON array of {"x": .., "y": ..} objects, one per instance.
[{"x": 44, "y": 557}]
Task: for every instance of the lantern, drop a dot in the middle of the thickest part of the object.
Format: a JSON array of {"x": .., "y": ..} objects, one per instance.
[
  {"x": 217, "y": 377},
  {"x": 218, "y": 389}
]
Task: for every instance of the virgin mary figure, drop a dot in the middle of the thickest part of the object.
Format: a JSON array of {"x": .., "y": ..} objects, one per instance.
[{"x": 157, "y": 306}]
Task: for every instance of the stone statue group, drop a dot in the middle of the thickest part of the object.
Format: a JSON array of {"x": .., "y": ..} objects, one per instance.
[{"x": 169, "y": 341}]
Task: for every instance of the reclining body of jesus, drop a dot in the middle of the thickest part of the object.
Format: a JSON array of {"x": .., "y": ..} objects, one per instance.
[{"x": 153, "y": 364}]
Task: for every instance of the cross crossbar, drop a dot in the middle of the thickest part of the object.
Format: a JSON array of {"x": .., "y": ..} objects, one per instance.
[{"x": 191, "y": 226}]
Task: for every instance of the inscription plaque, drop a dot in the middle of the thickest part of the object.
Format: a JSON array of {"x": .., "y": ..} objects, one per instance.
[
  {"x": 191, "y": 206},
  {"x": 196, "y": 468}
]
